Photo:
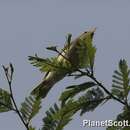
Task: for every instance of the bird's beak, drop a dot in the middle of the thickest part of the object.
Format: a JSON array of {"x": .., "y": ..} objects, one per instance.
[{"x": 92, "y": 30}]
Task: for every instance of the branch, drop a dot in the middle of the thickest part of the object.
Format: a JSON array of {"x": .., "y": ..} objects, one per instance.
[
  {"x": 9, "y": 80},
  {"x": 91, "y": 75},
  {"x": 109, "y": 93},
  {"x": 102, "y": 86}
]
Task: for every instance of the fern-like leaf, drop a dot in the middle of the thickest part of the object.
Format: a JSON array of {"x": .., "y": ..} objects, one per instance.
[
  {"x": 91, "y": 99},
  {"x": 74, "y": 90},
  {"x": 5, "y": 101},
  {"x": 58, "y": 117},
  {"x": 31, "y": 128},
  {"x": 68, "y": 41},
  {"x": 124, "y": 116},
  {"x": 30, "y": 107},
  {"x": 50, "y": 64},
  {"x": 49, "y": 122},
  {"x": 44, "y": 65},
  {"x": 120, "y": 86}
]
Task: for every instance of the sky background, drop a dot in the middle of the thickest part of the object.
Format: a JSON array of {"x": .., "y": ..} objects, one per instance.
[{"x": 28, "y": 26}]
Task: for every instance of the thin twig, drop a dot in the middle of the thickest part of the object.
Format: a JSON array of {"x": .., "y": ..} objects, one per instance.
[
  {"x": 73, "y": 65},
  {"x": 102, "y": 86},
  {"x": 13, "y": 100},
  {"x": 63, "y": 55}
]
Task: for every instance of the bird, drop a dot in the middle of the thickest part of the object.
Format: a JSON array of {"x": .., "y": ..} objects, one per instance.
[{"x": 69, "y": 54}]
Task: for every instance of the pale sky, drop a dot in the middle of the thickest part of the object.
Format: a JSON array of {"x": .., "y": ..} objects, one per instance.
[{"x": 28, "y": 26}]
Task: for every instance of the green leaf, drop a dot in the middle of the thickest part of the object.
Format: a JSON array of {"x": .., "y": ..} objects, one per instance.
[
  {"x": 68, "y": 41},
  {"x": 50, "y": 64},
  {"x": 31, "y": 128},
  {"x": 58, "y": 117},
  {"x": 49, "y": 122},
  {"x": 44, "y": 65},
  {"x": 68, "y": 38},
  {"x": 120, "y": 86},
  {"x": 74, "y": 90},
  {"x": 5, "y": 101},
  {"x": 52, "y": 48},
  {"x": 30, "y": 107},
  {"x": 124, "y": 116},
  {"x": 90, "y": 100}
]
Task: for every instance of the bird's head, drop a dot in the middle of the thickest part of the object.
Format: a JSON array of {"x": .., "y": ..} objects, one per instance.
[{"x": 87, "y": 35}]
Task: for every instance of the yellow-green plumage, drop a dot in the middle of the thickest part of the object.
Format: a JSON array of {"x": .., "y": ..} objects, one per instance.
[{"x": 70, "y": 55}]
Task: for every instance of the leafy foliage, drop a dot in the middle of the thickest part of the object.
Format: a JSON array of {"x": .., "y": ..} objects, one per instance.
[
  {"x": 49, "y": 64},
  {"x": 68, "y": 41},
  {"x": 31, "y": 128},
  {"x": 53, "y": 64},
  {"x": 30, "y": 107},
  {"x": 44, "y": 65},
  {"x": 66, "y": 46},
  {"x": 74, "y": 90},
  {"x": 5, "y": 101},
  {"x": 52, "y": 48},
  {"x": 115, "y": 128},
  {"x": 121, "y": 81},
  {"x": 91, "y": 99},
  {"x": 83, "y": 97},
  {"x": 57, "y": 117},
  {"x": 124, "y": 116}
]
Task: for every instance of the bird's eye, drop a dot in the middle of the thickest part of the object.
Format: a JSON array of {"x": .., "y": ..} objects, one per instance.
[{"x": 85, "y": 32}]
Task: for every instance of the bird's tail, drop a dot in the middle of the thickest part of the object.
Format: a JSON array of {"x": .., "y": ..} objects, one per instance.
[{"x": 42, "y": 89}]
